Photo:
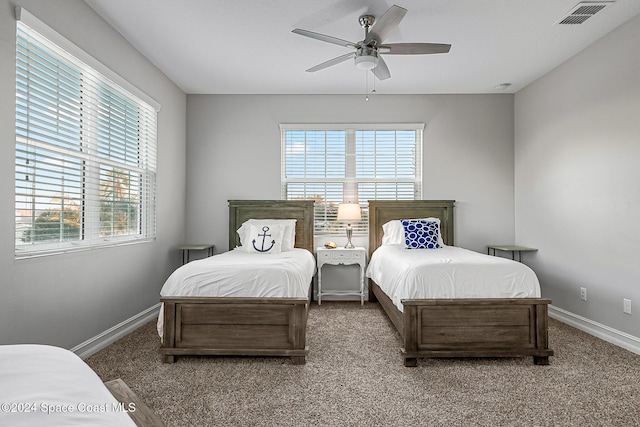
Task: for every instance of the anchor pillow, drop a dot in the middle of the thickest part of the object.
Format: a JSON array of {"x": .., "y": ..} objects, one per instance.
[
  {"x": 264, "y": 238},
  {"x": 421, "y": 234},
  {"x": 288, "y": 238}
]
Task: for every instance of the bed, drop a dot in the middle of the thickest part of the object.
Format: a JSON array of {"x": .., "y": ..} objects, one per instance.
[
  {"x": 457, "y": 327},
  {"x": 248, "y": 325},
  {"x": 43, "y": 385}
]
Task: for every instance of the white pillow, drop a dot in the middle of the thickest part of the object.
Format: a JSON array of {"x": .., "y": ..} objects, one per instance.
[
  {"x": 264, "y": 239},
  {"x": 289, "y": 236},
  {"x": 393, "y": 232}
]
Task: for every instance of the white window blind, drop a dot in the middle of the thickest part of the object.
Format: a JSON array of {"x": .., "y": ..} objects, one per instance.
[
  {"x": 332, "y": 164},
  {"x": 85, "y": 152}
]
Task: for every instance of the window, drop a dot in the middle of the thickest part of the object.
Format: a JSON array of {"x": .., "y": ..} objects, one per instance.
[
  {"x": 85, "y": 150},
  {"x": 336, "y": 163}
]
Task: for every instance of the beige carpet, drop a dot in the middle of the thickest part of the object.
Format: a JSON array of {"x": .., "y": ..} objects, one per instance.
[{"x": 354, "y": 376}]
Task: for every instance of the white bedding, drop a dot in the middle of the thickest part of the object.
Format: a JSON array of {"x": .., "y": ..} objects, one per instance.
[
  {"x": 42, "y": 385},
  {"x": 240, "y": 274},
  {"x": 448, "y": 272}
]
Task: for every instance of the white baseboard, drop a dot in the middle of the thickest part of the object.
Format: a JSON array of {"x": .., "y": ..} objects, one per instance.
[
  {"x": 621, "y": 339},
  {"x": 100, "y": 341}
]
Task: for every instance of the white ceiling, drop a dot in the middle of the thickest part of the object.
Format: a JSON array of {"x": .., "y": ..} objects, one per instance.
[{"x": 247, "y": 47}]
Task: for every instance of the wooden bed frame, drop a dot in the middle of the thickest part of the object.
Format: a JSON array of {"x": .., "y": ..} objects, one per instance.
[
  {"x": 491, "y": 327},
  {"x": 243, "y": 326},
  {"x": 142, "y": 416}
]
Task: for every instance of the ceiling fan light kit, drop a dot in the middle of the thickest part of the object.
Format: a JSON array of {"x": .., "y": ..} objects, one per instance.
[
  {"x": 367, "y": 53},
  {"x": 367, "y": 60}
]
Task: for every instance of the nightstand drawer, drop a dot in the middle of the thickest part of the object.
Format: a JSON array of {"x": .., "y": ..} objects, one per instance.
[
  {"x": 347, "y": 255},
  {"x": 324, "y": 255}
]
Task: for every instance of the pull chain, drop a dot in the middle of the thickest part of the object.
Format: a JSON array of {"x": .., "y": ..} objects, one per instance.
[
  {"x": 366, "y": 85},
  {"x": 366, "y": 88}
]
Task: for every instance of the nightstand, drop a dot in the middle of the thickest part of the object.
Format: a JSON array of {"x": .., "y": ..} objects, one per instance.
[
  {"x": 510, "y": 248},
  {"x": 342, "y": 256},
  {"x": 188, "y": 248}
]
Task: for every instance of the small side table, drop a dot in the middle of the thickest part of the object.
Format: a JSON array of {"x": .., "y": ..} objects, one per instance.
[
  {"x": 342, "y": 256},
  {"x": 510, "y": 248},
  {"x": 188, "y": 248}
]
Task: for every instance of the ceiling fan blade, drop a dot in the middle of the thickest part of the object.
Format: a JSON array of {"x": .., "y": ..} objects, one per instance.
[
  {"x": 413, "y": 48},
  {"x": 381, "y": 71},
  {"x": 324, "y": 38},
  {"x": 331, "y": 62},
  {"x": 387, "y": 23}
]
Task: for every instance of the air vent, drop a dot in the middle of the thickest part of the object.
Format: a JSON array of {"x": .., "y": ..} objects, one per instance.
[{"x": 583, "y": 11}]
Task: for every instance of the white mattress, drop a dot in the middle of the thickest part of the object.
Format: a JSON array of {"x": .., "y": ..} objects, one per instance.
[
  {"x": 42, "y": 385},
  {"x": 449, "y": 272},
  {"x": 240, "y": 274}
]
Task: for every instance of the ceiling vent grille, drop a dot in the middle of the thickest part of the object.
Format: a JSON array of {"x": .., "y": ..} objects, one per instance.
[{"x": 583, "y": 11}]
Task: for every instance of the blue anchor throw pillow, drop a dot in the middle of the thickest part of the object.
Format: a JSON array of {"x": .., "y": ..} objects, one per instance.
[
  {"x": 421, "y": 234},
  {"x": 265, "y": 238}
]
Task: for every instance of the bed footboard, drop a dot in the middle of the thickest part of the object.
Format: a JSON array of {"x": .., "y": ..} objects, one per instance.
[
  {"x": 235, "y": 326},
  {"x": 476, "y": 328},
  {"x": 489, "y": 327}
]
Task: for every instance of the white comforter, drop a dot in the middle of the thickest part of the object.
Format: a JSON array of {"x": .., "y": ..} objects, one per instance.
[
  {"x": 42, "y": 385},
  {"x": 449, "y": 272},
  {"x": 240, "y": 274}
]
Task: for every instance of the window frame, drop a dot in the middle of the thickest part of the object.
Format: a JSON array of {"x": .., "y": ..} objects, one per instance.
[
  {"x": 103, "y": 81},
  {"x": 351, "y": 181}
]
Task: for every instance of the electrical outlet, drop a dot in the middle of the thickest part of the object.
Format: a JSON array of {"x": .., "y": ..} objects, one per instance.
[
  {"x": 626, "y": 305},
  {"x": 583, "y": 294}
]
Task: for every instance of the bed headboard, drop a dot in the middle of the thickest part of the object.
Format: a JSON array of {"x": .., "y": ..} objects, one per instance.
[
  {"x": 302, "y": 210},
  {"x": 382, "y": 211}
]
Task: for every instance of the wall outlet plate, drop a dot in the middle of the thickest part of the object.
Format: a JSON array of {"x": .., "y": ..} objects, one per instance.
[
  {"x": 626, "y": 305},
  {"x": 583, "y": 294}
]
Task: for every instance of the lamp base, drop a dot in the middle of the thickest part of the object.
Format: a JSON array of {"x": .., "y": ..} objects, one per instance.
[{"x": 349, "y": 245}]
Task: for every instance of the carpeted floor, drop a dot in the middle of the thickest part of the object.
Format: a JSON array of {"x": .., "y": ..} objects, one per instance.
[{"x": 354, "y": 376}]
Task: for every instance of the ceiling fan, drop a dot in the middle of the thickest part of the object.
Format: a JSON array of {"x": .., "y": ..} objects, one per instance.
[{"x": 367, "y": 53}]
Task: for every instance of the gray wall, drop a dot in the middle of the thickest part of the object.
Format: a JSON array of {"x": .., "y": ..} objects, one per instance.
[
  {"x": 67, "y": 299},
  {"x": 233, "y": 152},
  {"x": 577, "y": 179}
]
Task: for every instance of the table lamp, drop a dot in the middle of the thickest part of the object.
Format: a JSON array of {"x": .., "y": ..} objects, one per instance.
[{"x": 349, "y": 212}]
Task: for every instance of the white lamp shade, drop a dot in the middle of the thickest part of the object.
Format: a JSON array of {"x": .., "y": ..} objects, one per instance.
[{"x": 349, "y": 212}]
